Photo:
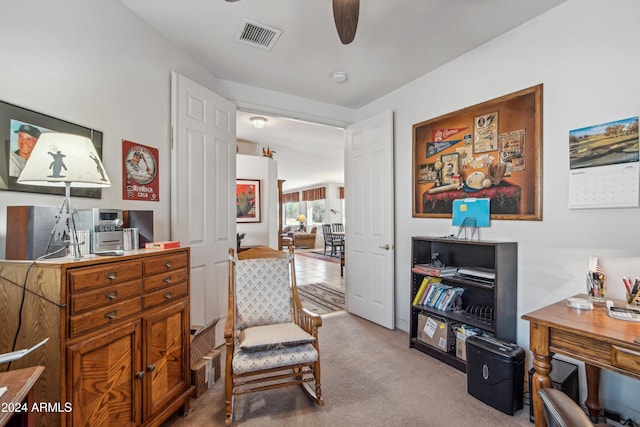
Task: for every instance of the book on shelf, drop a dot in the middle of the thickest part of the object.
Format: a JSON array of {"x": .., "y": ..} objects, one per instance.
[
  {"x": 424, "y": 288},
  {"x": 431, "y": 270},
  {"x": 162, "y": 245},
  {"x": 421, "y": 290},
  {"x": 479, "y": 272},
  {"x": 441, "y": 296},
  {"x": 452, "y": 294},
  {"x": 439, "y": 290}
]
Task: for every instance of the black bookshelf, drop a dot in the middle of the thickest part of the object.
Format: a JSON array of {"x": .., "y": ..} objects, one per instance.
[{"x": 489, "y": 305}]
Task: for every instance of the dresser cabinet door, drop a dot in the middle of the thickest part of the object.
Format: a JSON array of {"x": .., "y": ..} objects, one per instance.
[
  {"x": 105, "y": 375},
  {"x": 166, "y": 358}
]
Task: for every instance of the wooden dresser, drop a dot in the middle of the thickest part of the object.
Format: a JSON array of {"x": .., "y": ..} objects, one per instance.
[{"x": 118, "y": 329}]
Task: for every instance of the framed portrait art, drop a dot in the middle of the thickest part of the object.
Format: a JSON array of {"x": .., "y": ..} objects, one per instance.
[
  {"x": 20, "y": 129},
  {"x": 248, "y": 200},
  {"x": 491, "y": 150}
]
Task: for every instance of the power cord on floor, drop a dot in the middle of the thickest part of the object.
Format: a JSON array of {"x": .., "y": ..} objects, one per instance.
[{"x": 629, "y": 422}]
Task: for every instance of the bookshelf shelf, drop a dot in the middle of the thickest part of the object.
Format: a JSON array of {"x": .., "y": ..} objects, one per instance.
[{"x": 488, "y": 305}]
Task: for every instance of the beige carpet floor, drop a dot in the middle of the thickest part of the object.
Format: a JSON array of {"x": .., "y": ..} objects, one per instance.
[{"x": 370, "y": 377}]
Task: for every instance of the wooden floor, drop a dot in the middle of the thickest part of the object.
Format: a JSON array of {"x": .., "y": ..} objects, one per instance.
[{"x": 311, "y": 270}]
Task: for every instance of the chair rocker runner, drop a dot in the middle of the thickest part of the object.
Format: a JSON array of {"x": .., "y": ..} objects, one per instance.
[{"x": 271, "y": 340}]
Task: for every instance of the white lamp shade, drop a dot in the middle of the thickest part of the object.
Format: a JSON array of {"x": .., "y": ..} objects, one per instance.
[{"x": 61, "y": 158}]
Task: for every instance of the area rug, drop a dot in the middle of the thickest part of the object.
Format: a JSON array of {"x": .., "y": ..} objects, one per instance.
[
  {"x": 319, "y": 255},
  {"x": 320, "y": 298}
]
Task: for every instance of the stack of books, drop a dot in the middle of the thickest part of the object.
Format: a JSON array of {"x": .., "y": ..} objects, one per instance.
[
  {"x": 435, "y": 294},
  {"x": 162, "y": 245},
  {"x": 430, "y": 270}
]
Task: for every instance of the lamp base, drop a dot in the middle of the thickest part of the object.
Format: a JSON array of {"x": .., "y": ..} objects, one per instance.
[{"x": 65, "y": 228}]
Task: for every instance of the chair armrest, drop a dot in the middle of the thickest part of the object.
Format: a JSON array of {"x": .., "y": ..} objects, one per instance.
[
  {"x": 229, "y": 335},
  {"x": 306, "y": 319}
]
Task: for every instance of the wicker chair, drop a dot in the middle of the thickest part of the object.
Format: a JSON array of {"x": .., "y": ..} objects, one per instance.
[{"x": 272, "y": 343}]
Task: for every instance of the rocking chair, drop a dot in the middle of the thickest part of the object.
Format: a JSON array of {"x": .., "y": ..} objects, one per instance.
[{"x": 271, "y": 340}]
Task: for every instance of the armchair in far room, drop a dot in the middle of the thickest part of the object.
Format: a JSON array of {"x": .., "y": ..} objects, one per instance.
[{"x": 305, "y": 240}]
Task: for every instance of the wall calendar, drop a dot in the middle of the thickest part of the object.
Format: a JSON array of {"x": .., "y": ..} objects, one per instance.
[{"x": 604, "y": 165}]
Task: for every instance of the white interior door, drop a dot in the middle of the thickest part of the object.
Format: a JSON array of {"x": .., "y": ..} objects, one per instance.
[
  {"x": 369, "y": 224},
  {"x": 203, "y": 174}
]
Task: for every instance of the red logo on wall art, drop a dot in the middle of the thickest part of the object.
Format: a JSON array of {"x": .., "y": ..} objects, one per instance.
[{"x": 442, "y": 134}]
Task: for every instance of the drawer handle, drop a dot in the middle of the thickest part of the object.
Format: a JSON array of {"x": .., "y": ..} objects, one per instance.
[
  {"x": 111, "y": 275},
  {"x": 111, "y": 295},
  {"x": 151, "y": 367},
  {"x": 168, "y": 295},
  {"x": 167, "y": 279},
  {"x": 167, "y": 264},
  {"x": 111, "y": 315},
  {"x": 140, "y": 374}
]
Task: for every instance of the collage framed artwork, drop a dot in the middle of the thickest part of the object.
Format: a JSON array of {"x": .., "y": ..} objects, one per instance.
[
  {"x": 490, "y": 150},
  {"x": 248, "y": 200},
  {"x": 21, "y": 128}
]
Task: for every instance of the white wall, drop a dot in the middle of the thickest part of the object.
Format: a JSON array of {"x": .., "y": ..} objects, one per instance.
[
  {"x": 585, "y": 52},
  {"x": 264, "y": 169},
  {"x": 97, "y": 65}
]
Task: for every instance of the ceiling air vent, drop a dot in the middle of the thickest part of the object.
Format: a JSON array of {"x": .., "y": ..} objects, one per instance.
[{"x": 257, "y": 35}]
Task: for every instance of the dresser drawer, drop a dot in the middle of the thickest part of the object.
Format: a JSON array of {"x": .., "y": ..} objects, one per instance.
[
  {"x": 163, "y": 280},
  {"x": 164, "y": 296},
  {"x": 91, "y": 277},
  {"x": 164, "y": 263},
  {"x": 82, "y": 323},
  {"x": 625, "y": 358},
  {"x": 106, "y": 296}
]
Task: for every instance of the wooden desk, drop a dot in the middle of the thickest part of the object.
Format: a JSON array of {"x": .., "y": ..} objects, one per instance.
[
  {"x": 591, "y": 336},
  {"x": 19, "y": 385}
]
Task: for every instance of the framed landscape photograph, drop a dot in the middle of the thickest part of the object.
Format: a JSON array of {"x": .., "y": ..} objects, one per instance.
[{"x": 248, "y": 200}]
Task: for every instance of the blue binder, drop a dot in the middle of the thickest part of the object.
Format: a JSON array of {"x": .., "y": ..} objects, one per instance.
[{"x": 471, "y": 207}]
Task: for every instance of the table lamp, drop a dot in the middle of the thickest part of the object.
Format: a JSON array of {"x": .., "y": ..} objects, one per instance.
[
  {"x": 65, "y": 160},
  {"x": 301, "y": 219}
]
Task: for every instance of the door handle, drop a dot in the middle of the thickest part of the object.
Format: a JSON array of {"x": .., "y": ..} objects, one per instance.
[{"x": 385, "y": 247}]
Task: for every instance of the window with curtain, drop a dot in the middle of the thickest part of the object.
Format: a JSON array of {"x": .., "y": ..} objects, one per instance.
[
  {"x": 291, "y": 208},
  {"x": 316, "y": 205}
]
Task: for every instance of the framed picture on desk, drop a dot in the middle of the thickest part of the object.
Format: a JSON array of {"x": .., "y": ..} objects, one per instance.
[{"x": 495, "y": 148}]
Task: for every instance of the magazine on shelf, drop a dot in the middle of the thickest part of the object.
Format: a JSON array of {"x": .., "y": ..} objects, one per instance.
[{"x": 430, "y": 270}]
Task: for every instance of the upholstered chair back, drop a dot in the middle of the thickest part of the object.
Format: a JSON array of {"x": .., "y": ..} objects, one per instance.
[{"x": 263, "y": 292}]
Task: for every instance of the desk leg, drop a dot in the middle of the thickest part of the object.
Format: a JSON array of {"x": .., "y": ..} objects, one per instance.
[
  {"x": 539, "y": 344},
  {"x": 593, "y": 391}
]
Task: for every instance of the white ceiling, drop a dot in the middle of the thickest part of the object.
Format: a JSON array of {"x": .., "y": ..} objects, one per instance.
[
  {"x": 307, "y": 153},
  {"x": 396, "y": 42}
]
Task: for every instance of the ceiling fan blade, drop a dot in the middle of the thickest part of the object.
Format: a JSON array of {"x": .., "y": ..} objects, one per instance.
[{"x": 345, "y": 15}]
